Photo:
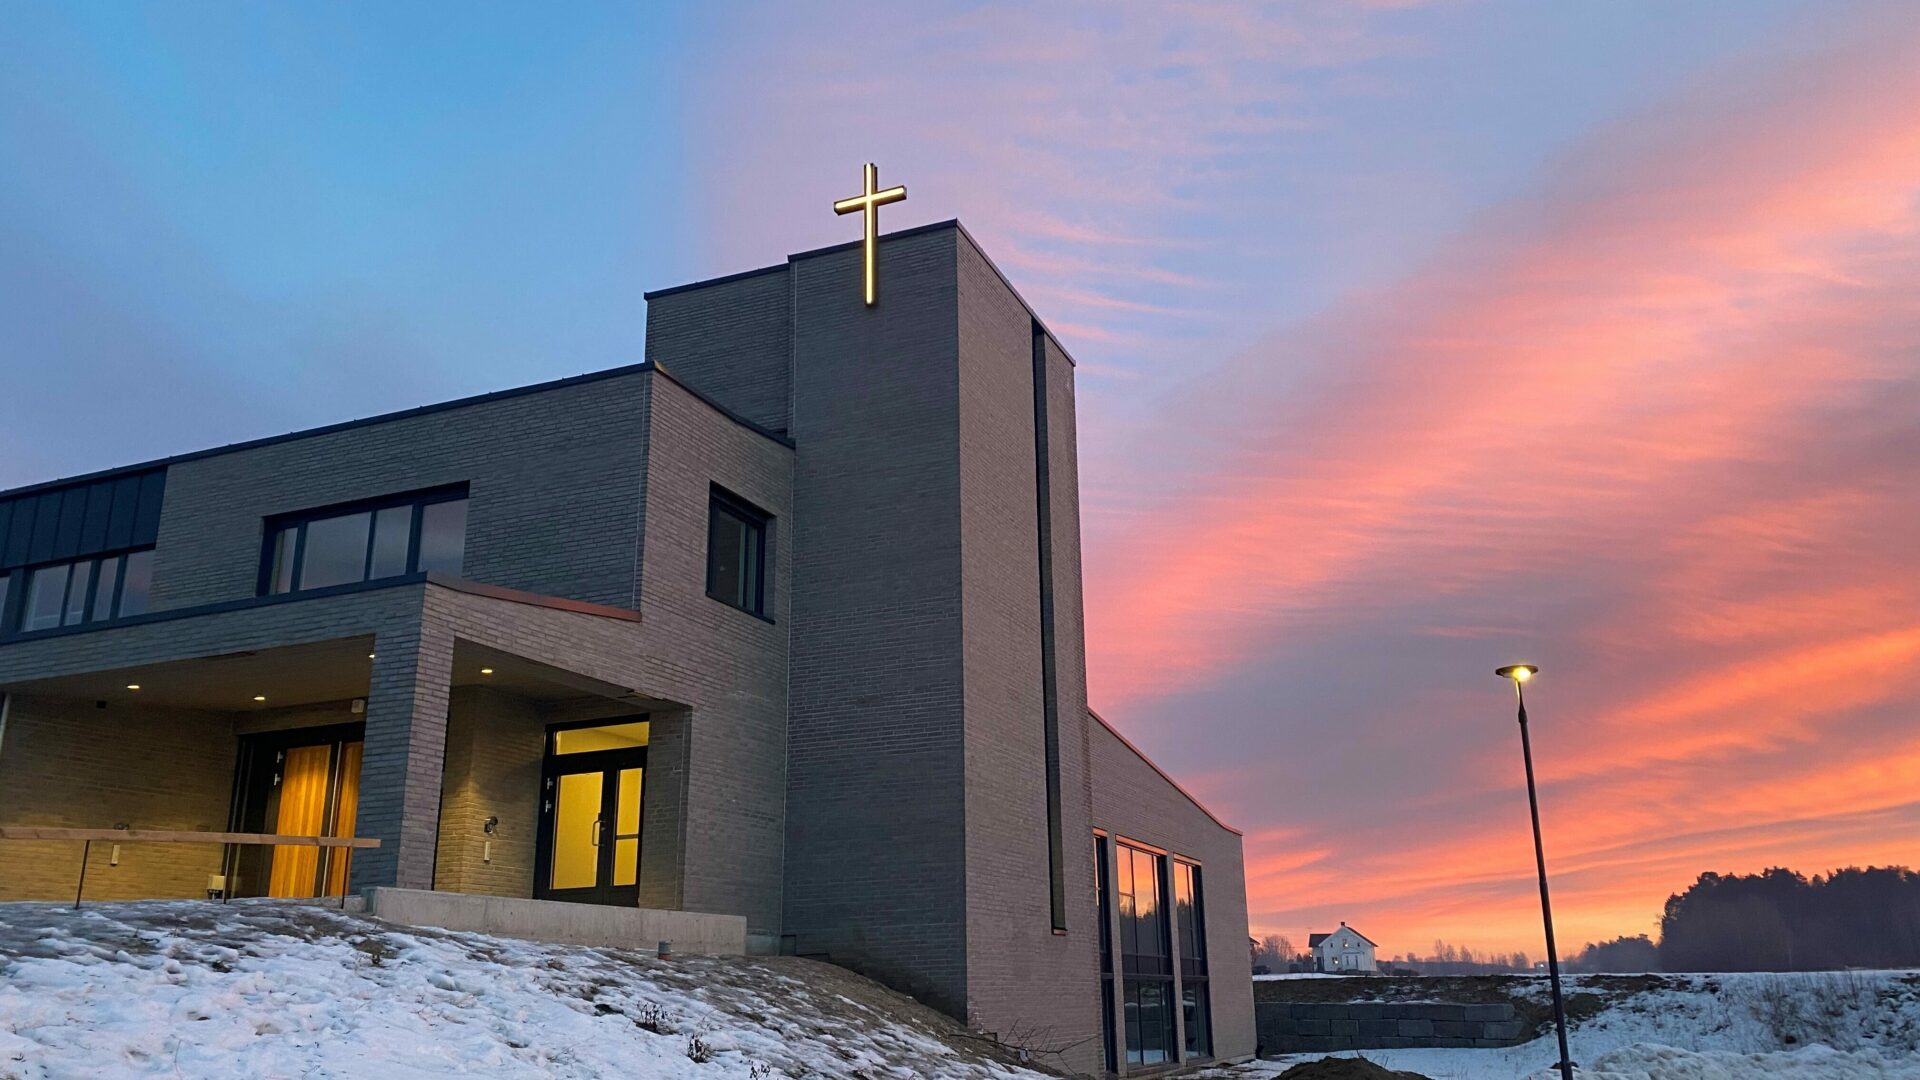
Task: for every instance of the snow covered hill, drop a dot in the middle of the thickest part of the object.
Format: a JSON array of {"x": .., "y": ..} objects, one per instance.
[{"x": 273, "y": 990}]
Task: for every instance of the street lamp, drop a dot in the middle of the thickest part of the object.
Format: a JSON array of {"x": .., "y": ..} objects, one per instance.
[{"x": 1519, "y": 674}]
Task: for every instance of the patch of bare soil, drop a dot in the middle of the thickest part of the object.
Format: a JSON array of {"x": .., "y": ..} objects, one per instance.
[{"x": 1345, "y": 1068}]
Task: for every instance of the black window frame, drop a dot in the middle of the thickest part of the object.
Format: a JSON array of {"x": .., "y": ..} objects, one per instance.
[
  {"x": 273, "y": 526},
  {"x": 1151, "y": 970},
  {"x": 1194, "y": 984},
  {"x": 19, "y": 579},
  {"x": 1103, "y": 890},
  {"x": 759, "y": 524}
]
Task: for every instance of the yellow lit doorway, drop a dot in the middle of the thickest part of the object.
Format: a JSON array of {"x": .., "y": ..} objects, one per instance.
[
  {"x": 590, "y": 797},
  {"x": 298, "y": 783}
]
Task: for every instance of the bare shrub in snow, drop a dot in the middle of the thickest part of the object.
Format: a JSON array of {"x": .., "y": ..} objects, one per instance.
[{"x": 653, "y": 1017}]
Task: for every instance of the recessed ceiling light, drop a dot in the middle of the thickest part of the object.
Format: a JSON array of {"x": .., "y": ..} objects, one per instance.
[
  {"x": 486, "y": 671},
  {"x": 259, "y": 697},
  {"x": 369, "y": 656},
  {"x": 133, "y": 686}
]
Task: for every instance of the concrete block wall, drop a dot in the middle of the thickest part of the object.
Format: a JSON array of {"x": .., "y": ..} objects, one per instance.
[
  {"x": 1297, "y": 1027},
  {"x": 553, "y": 479},
  {"x": 70, "y": 765},
  {"x": 1132, "y": 800}
]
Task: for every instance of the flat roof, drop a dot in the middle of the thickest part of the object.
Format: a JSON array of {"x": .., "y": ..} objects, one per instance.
[
  {"x": 936, "y": 226},
  {"x": 400, "y": 414}
]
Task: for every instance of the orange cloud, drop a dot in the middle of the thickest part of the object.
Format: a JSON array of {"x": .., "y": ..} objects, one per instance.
[{"x": 1654, "y": 427}]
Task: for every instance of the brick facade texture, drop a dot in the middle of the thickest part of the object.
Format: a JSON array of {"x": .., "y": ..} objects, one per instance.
[{"x": 861, "y": 773}]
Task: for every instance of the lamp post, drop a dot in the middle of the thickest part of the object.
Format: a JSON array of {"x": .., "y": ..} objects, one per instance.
[{"x": 1518, "y": 674}]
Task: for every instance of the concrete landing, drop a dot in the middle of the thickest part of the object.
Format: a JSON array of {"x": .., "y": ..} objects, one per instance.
[{"x": 563, "y": 924}]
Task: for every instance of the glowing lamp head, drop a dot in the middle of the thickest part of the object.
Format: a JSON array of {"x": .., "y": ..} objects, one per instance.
[{"x": 1519, "y": 673}]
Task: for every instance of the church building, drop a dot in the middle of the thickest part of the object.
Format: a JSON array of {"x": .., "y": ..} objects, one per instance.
[{"x": 783, "y": 623}]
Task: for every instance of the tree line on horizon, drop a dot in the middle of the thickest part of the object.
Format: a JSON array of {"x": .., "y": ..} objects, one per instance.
[{"x": 1776, "y": 920}]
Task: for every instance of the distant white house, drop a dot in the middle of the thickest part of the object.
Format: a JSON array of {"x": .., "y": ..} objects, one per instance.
[{"x": 1346, "y": 949}]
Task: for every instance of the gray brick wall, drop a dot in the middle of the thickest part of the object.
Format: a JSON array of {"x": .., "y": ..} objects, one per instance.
[
  {"x": 554, "y": 482},
  {"x": 727, "y": 666},
  {"x": 732, "y": 341},
  {"x": 1021, "y": 976},
  {"x": 875, "y": 835}
]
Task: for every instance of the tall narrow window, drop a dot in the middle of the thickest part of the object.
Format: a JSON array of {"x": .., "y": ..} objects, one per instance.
[
  {"x": 136, "y": 579},
  {"x": 736, "y": 553},
  {"x": 1103, "y": 886},
  {"x": 1190, "y": 915},
  {"x": 384, "y": 538},
  {"x": 1145, "y": 961}
]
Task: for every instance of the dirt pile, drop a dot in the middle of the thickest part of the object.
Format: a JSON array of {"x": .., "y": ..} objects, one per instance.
[{"x": 1345, "y": 1068}]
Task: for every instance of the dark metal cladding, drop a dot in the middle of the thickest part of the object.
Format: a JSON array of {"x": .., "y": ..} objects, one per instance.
[{"x": 88, "y": 517}]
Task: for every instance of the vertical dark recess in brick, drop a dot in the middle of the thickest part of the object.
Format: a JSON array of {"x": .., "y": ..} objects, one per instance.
[{"x": 1049, "y": 680}]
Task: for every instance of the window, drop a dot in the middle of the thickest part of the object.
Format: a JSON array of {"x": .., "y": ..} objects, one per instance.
[
  {"x": 1191, "y": 915},
  {"x": 737, "y": 553},
  {"x": 81, "y": 591},
  {"x": 405, "y": 534},
  {"x": 1103, "y": 886},
  {"x": 1145, "y": 962}
]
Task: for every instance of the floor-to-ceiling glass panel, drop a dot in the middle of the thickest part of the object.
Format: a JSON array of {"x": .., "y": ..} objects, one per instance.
[
  {"x": 576, "y": 823},
  {"x": 346, "y": 816},
  {"x": 303, "y": 812},
  {"x": 626, "y": 845}
]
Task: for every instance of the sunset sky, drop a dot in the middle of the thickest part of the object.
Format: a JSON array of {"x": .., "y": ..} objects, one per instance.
[{"x": 1414, "y": 338}]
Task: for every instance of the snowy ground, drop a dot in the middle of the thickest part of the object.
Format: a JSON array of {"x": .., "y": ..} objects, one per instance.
[
  {"x": 271, "y": 990},
  {"x": 1805, "y": 1026}
]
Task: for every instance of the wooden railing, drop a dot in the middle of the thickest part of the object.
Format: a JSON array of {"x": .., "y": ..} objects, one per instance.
[{"x": 171, "y": 836}]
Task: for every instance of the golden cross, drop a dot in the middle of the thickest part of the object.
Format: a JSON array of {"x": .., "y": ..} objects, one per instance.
[{"x": 871, "y": 201}]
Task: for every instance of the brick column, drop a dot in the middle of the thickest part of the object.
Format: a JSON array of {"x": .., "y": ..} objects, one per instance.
[{"x": 405, "y": 756}]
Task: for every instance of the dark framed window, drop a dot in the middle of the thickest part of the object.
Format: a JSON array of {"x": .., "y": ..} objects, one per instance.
[
  {"x": 1190, "y": 915},
  {"x": 1146, "y": 962},
  {"x": 366, "y": 541},
  {"x": 737, "y": 552},
  {"x": 1103, "y": 886},
  {"x": 75, "y": 592}
]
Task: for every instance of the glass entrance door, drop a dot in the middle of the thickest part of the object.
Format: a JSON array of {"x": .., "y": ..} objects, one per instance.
[
  {"x": 304, "y": 782},
  {"x": 590, "y": 794}
]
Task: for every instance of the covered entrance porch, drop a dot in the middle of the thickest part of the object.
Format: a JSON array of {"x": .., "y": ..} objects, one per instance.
[{"x": 481, "y": 769}]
